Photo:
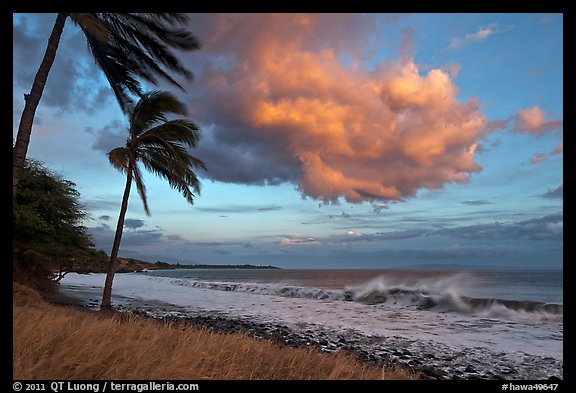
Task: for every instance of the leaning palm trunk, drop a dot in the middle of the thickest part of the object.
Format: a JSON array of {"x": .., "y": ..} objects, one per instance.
[
  {"x": 32, "y": 100},
  {"x": 126, "y": 47},
  {"x": 161, "y": 146},
  {"x": 106, "y": 304}
]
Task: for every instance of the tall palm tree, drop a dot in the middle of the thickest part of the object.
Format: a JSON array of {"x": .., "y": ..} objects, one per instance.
[
  {"x": 126, "y": 47},
  {"x": 161, "y": 146}
]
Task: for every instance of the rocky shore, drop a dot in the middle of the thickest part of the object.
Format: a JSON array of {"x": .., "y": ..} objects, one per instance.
[{"x": 432, "y": 360}]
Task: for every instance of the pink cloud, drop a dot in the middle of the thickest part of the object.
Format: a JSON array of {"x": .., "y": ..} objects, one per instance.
[
  {"x": 533, "y": 121},
  {"x": 496, "y": 125},
  {"x": 286, "y": 108},
  {"x": 558, "y": 150},
  {"x": 537, "y": 159},
  {"x": 299, "y": 240}
]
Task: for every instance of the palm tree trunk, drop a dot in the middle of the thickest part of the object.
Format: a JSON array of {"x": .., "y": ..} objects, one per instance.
[
  {"x": 106, "y": 304},
  {"x": 32, "y": 100}
]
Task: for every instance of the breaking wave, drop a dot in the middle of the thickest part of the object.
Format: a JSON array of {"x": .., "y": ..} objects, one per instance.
[{"x": 434, "y": 294}]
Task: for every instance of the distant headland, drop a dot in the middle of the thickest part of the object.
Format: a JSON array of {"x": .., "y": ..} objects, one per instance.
[{"x": 129, "y": 265}]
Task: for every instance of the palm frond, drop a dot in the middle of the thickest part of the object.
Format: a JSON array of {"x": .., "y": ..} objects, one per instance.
[
  {"x": 163, "y": 149},
  {"x": 136, "y": 46},
  {"x": 179, "y": 175},
  {"x": 154, "y": 108},
  {"x": 179, "y": 130},
  {"x": 119, "y": 71},
  {"x": 140, "y": 186},
  {"x": 92, "y": 26},
  {"x": 118, "y": 157}
]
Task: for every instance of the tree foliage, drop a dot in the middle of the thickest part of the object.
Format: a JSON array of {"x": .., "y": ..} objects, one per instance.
[{"x": 48, "y": 238}]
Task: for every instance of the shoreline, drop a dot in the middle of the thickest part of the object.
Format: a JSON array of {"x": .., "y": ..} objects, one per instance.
[{"x": 431, "y": 360}]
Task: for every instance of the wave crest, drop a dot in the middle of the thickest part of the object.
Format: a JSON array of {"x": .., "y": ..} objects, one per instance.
[{"x": 440, "y": 294}]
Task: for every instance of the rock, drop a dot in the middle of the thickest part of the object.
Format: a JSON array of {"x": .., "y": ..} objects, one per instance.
[
  {"x": 470, "y": 369},
  {"x": 431, "y": 372}
]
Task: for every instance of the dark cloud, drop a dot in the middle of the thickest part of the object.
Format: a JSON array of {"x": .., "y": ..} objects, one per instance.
[
  {"x": 249, "y": 161},
  {"x": 103, "y": 236},
  {"x": 133, "y": 223},
  {"x": 557, "y": 193},
  {"x": 549, "y": 227},
  {"x": 269, "y": 209},
  {"x": 26, "y": 49},
  {"x": 102, "y": 204},
  {"x": 475, "y": 202},
  {"x": 75, "y": 83},
  {"x": 215, "y": 243},
  {"x": 109, "y": 136},
  {"x": 104, "y": 217},
  {"x": 458, "y": 254},
  {"x": 237, "y": 209}
]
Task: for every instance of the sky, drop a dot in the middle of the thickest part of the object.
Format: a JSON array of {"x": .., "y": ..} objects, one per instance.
[{"x": 331, "y": 140}]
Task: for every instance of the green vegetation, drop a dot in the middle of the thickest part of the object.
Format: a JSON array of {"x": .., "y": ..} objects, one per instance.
[
  {"x": 48, "y": 240},
  {"x": 161, "y": 145}
]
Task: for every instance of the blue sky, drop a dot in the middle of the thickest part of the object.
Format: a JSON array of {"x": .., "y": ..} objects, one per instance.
[{"x": 331, "y": 141}]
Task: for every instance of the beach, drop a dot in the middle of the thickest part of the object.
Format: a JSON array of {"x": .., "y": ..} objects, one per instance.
[{"x": 489, "y": 343}]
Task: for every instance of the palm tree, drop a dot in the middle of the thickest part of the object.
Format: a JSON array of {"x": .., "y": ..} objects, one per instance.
[
  {"x": 126, "y": 47},
  {"x": 161, "y": 146}
]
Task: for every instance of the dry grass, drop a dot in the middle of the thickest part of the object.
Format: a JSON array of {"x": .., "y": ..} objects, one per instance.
[{"x": 54, "y": 342}]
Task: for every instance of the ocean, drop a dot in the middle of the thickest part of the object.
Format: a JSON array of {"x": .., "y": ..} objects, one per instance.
[{"x": 485, "y": 323}]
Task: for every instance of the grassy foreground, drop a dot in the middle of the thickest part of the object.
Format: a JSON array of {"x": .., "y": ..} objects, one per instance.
[{"x": 59, "y": 343}]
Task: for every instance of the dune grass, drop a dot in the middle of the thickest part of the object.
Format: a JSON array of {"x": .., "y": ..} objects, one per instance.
[{"x": 60, "y": 343}]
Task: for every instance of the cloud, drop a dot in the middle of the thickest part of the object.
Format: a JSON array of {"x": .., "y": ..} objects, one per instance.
[
  {"x": 110, "y": 136},
  {"x": 269, "y": 208},
  {"x": 537, "y": 159},
  {"x": 25, "y": 48},
  {"x": 238, "y": 209},
  {"x": 548, "y": 227},
  {"x": 557, "y": 193},
  {"x": 175, "y": 238},
  {"x": 481, "y": 34},
  {"x": 74, "y": 83},
  {"x": 476, "y": 202},
  {"x": 384, "y": 236},
  {"x": 103, "y": 237},
  {"x": 133, "y": 223},
  {"x": 558, "y": 150},
  {"x": 496, "y": 125},
  {"x": 533, "y": 121},
  {"x": 280, "y": 105},
  {"x": 299, "y": 240}
]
